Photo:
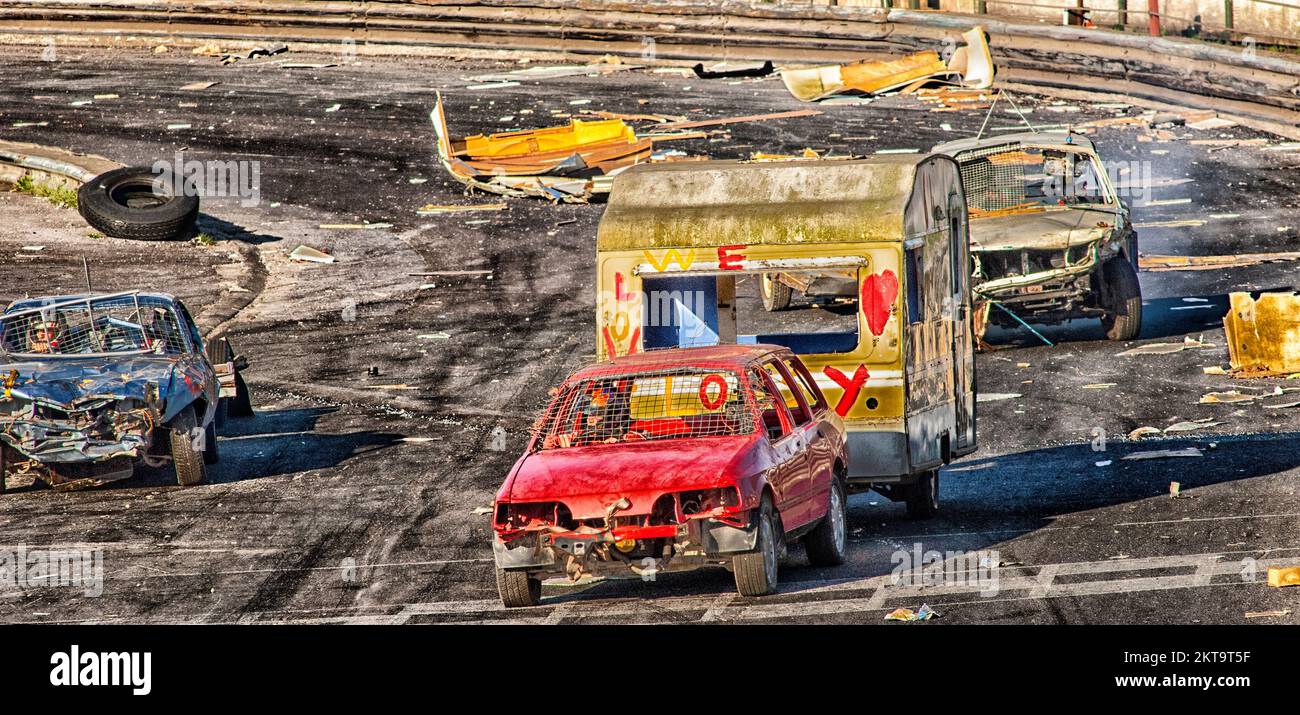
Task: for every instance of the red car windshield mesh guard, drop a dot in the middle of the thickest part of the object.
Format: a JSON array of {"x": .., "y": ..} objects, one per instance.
[{"x": 646, "y": 405}]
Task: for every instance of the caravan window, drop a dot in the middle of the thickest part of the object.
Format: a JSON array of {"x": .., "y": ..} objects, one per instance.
[
  {"x": 810, "y": 312},
  {"x": 915, "y": 273}
]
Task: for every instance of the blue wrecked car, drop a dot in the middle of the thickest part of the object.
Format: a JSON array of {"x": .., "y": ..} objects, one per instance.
[{"x": 93, "y": 385}]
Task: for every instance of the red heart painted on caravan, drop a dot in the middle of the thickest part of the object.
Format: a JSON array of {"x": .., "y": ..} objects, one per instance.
[{"x": 879, "y": 291}]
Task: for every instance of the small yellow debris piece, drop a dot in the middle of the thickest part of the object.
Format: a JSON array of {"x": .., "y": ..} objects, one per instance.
[{"x": 1279, "y": 577}]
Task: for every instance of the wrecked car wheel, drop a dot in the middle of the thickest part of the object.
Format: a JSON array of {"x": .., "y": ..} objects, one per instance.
[
  {"x": 776, "y": 295},
  {"x": 518, "y": 588},
  {"x": 1123, "y": 319},
  {"x": 756, "y": 572},
  {"x": 187, "y": 460},
  {"x": 923, "y": 496},
  {"x": 828, "y": 543},
  {"x": 4, "y": 467},
  {"x": 136, "y": 203}
]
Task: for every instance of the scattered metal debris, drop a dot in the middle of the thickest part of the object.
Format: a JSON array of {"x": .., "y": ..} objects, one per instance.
[
  {"x": 724, "y": 71},
  {"x": 1165, "y": 348},
  {"x": 1165, "y": 453},
  {"x": 1279, "y": 577},
  {"x": 1193, "y": 425},
  {"x": 431, "y": 209},
  {"x": 1204, "y": 263},
  {"x": 924, "y": 613},
  {"x": 996, "y": 396},
  {"x": 311, "y": 255},
  {"x": 355, "y": 226},
  {"x": 970, "y": 66},
  {"x": 1229, "y": 397},
  {"x": 567, "y": 163}
]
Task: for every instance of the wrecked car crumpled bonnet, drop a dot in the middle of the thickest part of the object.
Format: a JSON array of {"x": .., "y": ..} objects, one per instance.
[
  {"x": 587, "y": 479},
  {"x": 1041, "y": 229},
  {"x": 69, "y": 410}
]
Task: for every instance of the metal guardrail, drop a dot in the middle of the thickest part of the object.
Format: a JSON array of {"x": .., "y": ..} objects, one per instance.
[{"x": 1121, "y": 11}]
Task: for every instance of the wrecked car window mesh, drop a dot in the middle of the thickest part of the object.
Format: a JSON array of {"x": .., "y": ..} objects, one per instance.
[
  {"x": 1010, "y": 178},
  {"x": 646, "y": 405},
  {"x": 97, "y": 325}
]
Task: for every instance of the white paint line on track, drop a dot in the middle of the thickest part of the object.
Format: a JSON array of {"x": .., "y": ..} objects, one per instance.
[
  {"x": 722, "y": 607},
  {"x": 1210, "y": 518},
  {"x": 719, "y": 606},
  {"x": 242, "y": 572}
]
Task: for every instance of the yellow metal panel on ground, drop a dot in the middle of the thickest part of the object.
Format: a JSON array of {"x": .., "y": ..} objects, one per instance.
[
  {"x": 573, "y": 136},
  {"x": 1279, "y": 577},
  {"x": 1263, "y": 335}
]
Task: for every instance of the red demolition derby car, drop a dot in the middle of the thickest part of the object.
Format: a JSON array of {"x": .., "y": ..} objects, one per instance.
[{"x": 671, "y": 460}]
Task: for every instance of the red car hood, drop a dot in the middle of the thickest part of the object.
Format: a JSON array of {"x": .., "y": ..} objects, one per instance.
[{"x": 588, "y": 479}]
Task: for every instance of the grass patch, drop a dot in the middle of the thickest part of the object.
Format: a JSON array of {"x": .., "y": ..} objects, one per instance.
[
  {"x": 203, "y": 239},
  {"x": 57, "y": 195}
]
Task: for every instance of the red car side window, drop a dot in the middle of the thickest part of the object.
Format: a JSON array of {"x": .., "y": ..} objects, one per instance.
[
  {"x": 794, "y": 401},
  {"x": 807, "y": 385},
  {"x": 770, "y": 405}
]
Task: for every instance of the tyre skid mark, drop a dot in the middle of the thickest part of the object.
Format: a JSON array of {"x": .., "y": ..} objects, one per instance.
[{"x": 883, "y": 592}]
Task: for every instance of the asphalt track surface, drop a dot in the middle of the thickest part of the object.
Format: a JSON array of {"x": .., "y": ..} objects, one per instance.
[{"x": 348, "y": 500}]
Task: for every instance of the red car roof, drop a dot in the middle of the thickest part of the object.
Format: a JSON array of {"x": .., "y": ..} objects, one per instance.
[{"x": 711, "y": 356}]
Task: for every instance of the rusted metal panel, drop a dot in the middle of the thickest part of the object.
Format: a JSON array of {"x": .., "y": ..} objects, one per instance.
[{"x": 1263, "y": 334}]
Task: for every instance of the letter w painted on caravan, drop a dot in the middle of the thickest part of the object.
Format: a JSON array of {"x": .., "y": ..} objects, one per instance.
[
  {"x": 852, "y": 387},
  {"x": 672, "y": 255}
]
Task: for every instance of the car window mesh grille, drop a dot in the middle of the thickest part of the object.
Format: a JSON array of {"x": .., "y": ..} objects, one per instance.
[
  {"x": 125, "y": 323},
  {"x": 1000, "y": 178},
  {"x": 646, "y": 405}
]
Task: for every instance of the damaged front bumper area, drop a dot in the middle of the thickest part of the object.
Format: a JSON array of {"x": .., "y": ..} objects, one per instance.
[
  {"x": 627, "y": 551},
  {"x": 1048, "y": 284},
  {"x": 1051, "y": 285},
  {"x": 92, "y": 441}
]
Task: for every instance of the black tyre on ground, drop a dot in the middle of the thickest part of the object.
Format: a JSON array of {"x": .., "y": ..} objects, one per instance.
[
  {"x": 923, "y": 496},
  {"x": 223, "y": 406},
  {"x": 241, "y": 405},
  {"x": 133, "y": 203},
  {"x": 1123, "y": 318},
  {"x": 187, "y": 461},
  {"x": 756, "y": 572},
  {"x": 4, "y": 467},
  {"x": 518, "y": 588},
  {"x": 776, "y": 295},
  {"x": 210, "y": 453},
  {"x": 827, "y": 544}
]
